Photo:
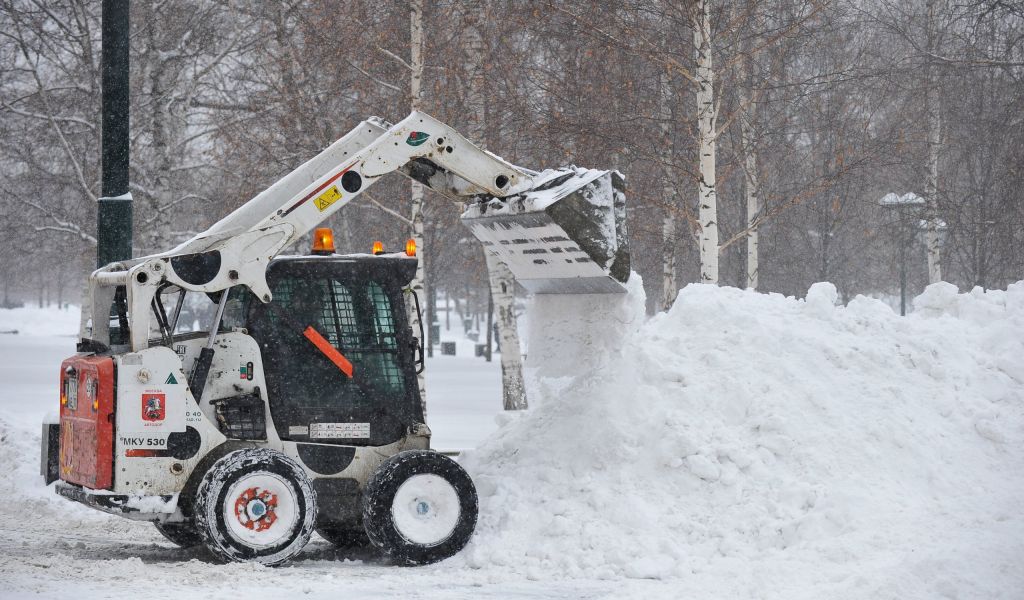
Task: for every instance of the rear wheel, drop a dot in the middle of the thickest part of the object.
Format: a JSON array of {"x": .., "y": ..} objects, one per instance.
[
  {"x": 419, "y": 507},
  {"x": 255, "y": 505},
  {"x": 182, "y": 534}
]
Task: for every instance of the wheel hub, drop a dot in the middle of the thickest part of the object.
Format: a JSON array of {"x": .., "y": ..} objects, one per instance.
[
  {"x": 255, "y": 509},
  {"x": 426, "y": 509}
]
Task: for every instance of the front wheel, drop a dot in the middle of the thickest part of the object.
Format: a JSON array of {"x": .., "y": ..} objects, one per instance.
[
  {"x": 419, "y": 507},
  {"x": 255, "y": 505}
]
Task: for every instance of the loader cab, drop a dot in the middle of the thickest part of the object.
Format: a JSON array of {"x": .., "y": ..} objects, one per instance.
[{"x": 356, "y": 303}]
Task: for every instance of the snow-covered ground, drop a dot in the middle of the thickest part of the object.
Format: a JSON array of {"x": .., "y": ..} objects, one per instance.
[
  {"x": 52, "y": 548},
  {"x": 739, "y": 446}
]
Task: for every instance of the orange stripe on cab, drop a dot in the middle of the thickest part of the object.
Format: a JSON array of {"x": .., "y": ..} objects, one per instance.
[{"x": 329, "y": 351}]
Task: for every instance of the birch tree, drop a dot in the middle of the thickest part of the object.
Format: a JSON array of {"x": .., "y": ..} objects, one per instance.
[
  {"x": 707, "y": 115},
  {"x": 173, "y": 59},
  {"x": 750, "y": 189},
  {"x": 933, "y": 116},
  {"x": 500, "y": 279},
  {"x": 669, "y": 194},
  {"x": 416, "y": 193},
  {"x": 751, "y": 180}
]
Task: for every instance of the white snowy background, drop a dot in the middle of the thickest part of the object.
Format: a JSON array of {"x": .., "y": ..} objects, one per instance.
[{"x": 741, "y": 445}]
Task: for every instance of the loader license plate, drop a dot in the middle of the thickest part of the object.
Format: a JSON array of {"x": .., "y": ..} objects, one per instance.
[{"x": 347, "y": 431}]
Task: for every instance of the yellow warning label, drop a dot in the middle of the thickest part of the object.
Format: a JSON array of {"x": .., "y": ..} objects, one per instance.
[{"x": 329, "y": 197}]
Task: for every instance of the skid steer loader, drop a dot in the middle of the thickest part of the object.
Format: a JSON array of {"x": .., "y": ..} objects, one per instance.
[{"x": 295, "y": 407}]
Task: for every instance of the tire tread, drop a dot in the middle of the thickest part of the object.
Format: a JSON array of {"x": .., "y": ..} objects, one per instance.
[
  {"x": 379, "y": 494},
  {"x": 218, "y": 478}
]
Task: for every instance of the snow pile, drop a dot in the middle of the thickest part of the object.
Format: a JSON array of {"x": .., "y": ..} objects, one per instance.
[
  {"x": 757, "y": 445},
  {"x": 39, "y": 321}
]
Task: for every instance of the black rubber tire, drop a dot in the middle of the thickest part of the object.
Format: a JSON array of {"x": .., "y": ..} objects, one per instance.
[
  {"x": 379, "y": 494},
  {"x": 211, "y": 498},
  {"x": 344, "y": 538},
  {"x": 183, "y": 534}
]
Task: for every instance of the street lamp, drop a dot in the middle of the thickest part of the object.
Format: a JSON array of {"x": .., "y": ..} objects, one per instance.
[
  {"x": 114, "y": 208},
  {"x": 904, "y": 206}
]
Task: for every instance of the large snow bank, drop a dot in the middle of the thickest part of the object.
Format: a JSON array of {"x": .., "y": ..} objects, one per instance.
[
  {"x": 40, "y": 321},
  {"x": 760, "y": 446}
]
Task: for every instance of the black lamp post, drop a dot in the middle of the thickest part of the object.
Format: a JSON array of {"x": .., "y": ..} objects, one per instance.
[{"x": 114, "y": 210}]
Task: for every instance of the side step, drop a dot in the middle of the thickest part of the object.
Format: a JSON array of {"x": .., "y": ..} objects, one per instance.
[{"x": 566, "y": 234}]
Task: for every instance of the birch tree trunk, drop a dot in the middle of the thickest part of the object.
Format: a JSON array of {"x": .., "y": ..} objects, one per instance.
[
  {"x": 415, "y": 100},
  {"x": 931, "y": 235},
  {"x": 751, "y": 181},
  {"x": 931, "y": 188},
  {"x": 500, "y": 278},
  {"x": 669, "y": 286},
  {"x": 159, "y": 64},
  {"x": 707, "y": 114},
  {"x": 513, "y": 391}
]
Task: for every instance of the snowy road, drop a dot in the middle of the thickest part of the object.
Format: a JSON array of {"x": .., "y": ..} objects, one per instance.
[{"x": 52, "y": 548}]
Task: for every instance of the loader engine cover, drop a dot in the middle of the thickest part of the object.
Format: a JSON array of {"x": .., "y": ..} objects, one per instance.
[
  {"x": 86, "y": 421},
  {"x": 566, "y": 234}
]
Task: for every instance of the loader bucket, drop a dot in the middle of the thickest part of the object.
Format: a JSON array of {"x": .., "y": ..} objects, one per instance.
[{"x": 564, "y": 235}]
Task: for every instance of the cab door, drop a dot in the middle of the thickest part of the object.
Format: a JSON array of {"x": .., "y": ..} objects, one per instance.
[{"x": 311, "y": 399}]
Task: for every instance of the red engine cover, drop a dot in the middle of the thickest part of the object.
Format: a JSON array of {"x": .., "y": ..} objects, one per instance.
[{"x": 87, "y": 421}]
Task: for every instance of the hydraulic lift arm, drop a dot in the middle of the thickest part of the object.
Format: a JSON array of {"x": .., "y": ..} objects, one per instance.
[{"x": 509, "y": 201}]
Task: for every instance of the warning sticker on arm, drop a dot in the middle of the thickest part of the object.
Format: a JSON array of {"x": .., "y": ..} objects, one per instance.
[{"x": 329, "y": 197}]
